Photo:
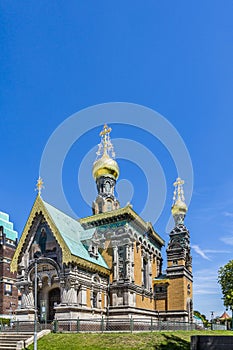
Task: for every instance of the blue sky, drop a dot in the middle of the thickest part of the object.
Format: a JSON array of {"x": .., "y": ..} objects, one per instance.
[{"x": 174, "y": 57}]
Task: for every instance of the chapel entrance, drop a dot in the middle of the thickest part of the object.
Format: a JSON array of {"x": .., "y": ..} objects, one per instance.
[{"x": 54, "y": 300}]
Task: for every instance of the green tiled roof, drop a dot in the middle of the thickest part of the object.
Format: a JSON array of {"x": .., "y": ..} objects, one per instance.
[
  {"x": 73, "y": 234},
  {"x": 8, "y": 227},
  {"x": 4, "y": 216},
  {"x": 6, "y": 224}
]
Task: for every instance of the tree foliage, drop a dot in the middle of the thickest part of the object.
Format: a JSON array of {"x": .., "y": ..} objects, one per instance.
[
  {"x": 225, "y": 279},
  {"x": 202, "y": 317}
]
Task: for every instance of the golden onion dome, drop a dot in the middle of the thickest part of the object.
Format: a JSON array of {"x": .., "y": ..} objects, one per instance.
[
  {"x": 179, "y": 207},
  {"x": 105, "y": 166}
]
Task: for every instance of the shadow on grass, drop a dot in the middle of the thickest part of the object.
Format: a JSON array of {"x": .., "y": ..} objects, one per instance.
[{"x": 173, "y": 343}]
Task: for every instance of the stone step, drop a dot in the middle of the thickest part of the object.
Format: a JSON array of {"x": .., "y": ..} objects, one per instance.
[
  {"x": 8, "y": 341},
  {"x": 16, "y": 333},
  {"x": 15, "y": 336}
]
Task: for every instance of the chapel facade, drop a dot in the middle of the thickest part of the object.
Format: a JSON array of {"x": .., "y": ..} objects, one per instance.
[{"x": 108, "y": 264}]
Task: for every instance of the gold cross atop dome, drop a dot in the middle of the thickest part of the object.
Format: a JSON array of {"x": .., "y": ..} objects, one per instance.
[
  {"x": 39, "y": 185},
  {"x": 179, "y": 192},
  {"x": 105, "y": 147},
  {"x": 179, "y": 206},
  {"x": 178, "y": 182},
  {"x": 106, "y": 130}
]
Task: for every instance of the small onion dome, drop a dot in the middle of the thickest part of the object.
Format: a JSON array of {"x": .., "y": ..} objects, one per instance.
[
  {"x": 179, "y": 207},
  {"x": 105, "y": 166}
]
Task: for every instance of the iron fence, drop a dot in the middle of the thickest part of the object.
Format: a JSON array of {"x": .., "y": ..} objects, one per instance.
[
  {"x": 100, "y": 325},
  {"x": 24, "y": 326},
  {"x": 119, "y": 325}
]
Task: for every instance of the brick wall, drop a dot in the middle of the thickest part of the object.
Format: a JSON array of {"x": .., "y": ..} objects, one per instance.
[{"x": 8, "y": 290}]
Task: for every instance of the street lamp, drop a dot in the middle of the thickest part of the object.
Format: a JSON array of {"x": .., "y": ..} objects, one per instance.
[
  {"x": 212, "y": 319},
  {"x": 36, "y": 257}
]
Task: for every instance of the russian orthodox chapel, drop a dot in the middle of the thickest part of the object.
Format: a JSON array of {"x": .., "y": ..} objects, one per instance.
[{"x": 106, "y": 264}]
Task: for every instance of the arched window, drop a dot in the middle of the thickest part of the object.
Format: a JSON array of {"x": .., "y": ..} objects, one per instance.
[
  {"x": 109, "y": 206},
  {"x": 190, "y": 310},
  {"x": 94, "y": 299},
  {"x": 107, "y": 187},
  {"x": 145, "y": 273},
  {"x": 100, "y": 207}
]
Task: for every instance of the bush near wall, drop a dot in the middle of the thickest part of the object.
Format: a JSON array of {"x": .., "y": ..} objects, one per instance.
[{"x": 4, "y": 321}]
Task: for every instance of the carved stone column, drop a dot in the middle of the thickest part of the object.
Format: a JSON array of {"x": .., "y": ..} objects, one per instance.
[
  {"x": 127, "y": 262},
  {"x": 26, "y": 312},
  {"x": 27, "y": 299},
  {"x": 150, "y": 272},
  {"x": 115, "y": 263},
  {"x": 69, "y": 294},
  {"x": 132, "y": 263},
  {"x": 142, "y": 266}
]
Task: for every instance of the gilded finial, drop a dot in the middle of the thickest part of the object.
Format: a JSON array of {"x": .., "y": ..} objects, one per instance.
[
  {"x": 39, "y": 185},
  {"x": 179, "y": 208},
  {"x": 178, "y": 192},
  {"x": 106, "y": 130},
  {"x": 105, "y": 147},
  {"x": 105, "y": 164}
]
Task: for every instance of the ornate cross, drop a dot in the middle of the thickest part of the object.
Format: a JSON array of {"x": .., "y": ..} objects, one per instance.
[
  {"x": 105, "y": 131},
  {"x": 179, "y": 192},
  {"x": 39, "y": 185},
  {"x": 105, "y": 147}
]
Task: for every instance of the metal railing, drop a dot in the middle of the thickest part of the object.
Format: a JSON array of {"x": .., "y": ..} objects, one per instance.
[
  {"x": 23, "y": 326},
  {"x": 118, "y": 325},
  {"x": 100, "y": 325}
]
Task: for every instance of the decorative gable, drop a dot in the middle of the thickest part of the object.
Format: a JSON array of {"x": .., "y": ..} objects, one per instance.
[
  {"x": 55, "y": 234},
  {"x": 39, "y": 227}
]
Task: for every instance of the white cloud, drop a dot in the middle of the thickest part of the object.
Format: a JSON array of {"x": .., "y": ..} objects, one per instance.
[
  {"x": 227, "y": 240},
  {"x": 216, "y": 251},
  {"x": 207, "y": 292},
  {"x": 203, "y": 252},
  {"x": 205, "y": 282},
  {"x": 227, "y": 213},
  {"x": 200, "y": 252},
  {"x": 199, "y": 291}
]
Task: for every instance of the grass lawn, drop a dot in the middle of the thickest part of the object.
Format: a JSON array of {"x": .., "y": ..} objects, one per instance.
[{"x": 178, "y": 340}]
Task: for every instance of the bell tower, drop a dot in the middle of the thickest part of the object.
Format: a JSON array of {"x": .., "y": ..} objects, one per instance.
[
  {"x": 105, "y": 172},
  {"x": 179, "y": 260}
]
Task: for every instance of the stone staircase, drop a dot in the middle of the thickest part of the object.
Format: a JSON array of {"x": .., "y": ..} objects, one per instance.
[{"x": 9, "y": 340}]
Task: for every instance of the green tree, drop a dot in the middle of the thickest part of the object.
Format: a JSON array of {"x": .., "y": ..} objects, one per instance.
[
  {"x": 202, "y": 317},
  {"x": 225, "y": 279}
]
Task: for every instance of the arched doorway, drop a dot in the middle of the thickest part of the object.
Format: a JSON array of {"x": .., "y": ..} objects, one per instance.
[
  {"x": 54, "y": 299},
  {"x": 190, "y": 310}
]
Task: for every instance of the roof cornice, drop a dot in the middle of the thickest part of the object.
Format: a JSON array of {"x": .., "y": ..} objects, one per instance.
[{"x": 126, "y": 213}]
